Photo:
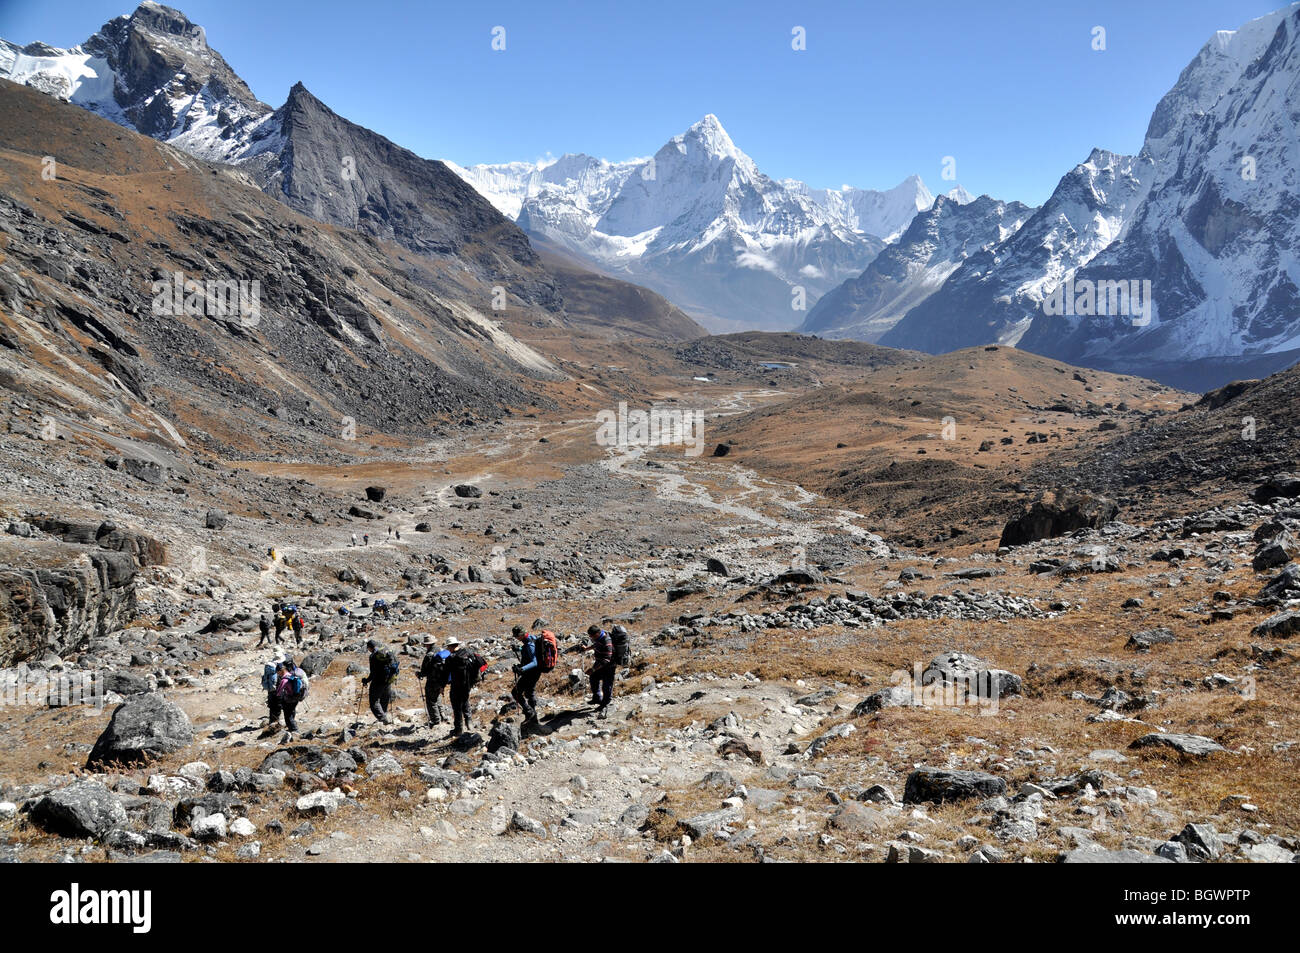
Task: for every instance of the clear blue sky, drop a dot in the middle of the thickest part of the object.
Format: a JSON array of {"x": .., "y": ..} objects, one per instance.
[{"x": 1013, "y": 90}]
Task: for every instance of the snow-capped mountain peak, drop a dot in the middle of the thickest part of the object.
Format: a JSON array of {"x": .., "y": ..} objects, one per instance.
[
  {"x": 152, "y": 71},
  {"x": 698, "y": 220},
  {"x": 709, "y": 136}
]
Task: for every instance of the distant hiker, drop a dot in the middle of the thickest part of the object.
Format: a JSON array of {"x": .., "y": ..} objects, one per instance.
[
  {"x": 602, "y": 668},
  {"x": 270, "y": 684},
  {"x": 383, "y": 672},
  {"x": 366, "y": 537},
  {"x": 390, "y": 532},
  {"x": 464, "y": 668},
  {"x": 264, "y": 627},
  {"x": 622, "y": 646},
  {"x": 434, "y": 671},
  {"x": 398, "y": 534},
  {"x": 279, "y": 625},
  {"x": 354, "y": 539},
  {"x": 291, "y": 689},
  {"x": 381, "y": 607},
  {"x": 297, "y": 627}
]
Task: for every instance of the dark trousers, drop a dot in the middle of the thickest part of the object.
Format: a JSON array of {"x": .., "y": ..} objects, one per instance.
[
  {"x": 524, "y": 692},
  {"x": 432, "y": 694},
  {"x": 290, "y": 710},
  {"x": 460, "y": 706},
  {"x": 274, "y": 707},
  {"x": 602, "y": 684},
  {"x": 381, "y": 696}
]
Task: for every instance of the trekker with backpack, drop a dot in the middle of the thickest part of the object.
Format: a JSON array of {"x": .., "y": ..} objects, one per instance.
[
  {"x": 464, "y": 668},
  {"x": 264, "y": 627},
  {"x": 271, "y": 684},
  {"x": 602, "y": 668},
  {"x": 279, "y": 623},
  {"x": 434, "y": 671},
  {"x": 297, "y": 628},
  {"x": 538, "y": 653},
  {"x": 383, "y": 672},
  {"x": 291, "y": 689}
]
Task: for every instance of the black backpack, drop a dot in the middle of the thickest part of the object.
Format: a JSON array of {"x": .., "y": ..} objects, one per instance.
[
  {"x": 390, "y": 665},
  {"x": 435, "y": 669},
  {"x": 470, "y": 665},
  {"x": 622, "y": 647}
]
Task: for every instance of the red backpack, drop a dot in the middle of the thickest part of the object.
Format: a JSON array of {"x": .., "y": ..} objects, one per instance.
[{"x": 548, "y": 650}]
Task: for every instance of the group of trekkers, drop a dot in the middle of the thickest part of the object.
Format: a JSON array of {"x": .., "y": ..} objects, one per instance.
[
  {"x": 457, "y": 667},
  {"x": 282, "y": 617}
]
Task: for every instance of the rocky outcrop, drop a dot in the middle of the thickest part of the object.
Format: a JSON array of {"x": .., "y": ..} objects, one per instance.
[
  {"x": 58, "y": 610},
  {"x": 145, "y": 550},
  {"x": 1046, "y": 520}
]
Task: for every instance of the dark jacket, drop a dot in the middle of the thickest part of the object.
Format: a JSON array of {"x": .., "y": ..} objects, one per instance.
[
  {"x": 382, "y": 665},
  {"x": 462, "y": 672},
  {"x": 434, "y": 668},
  {"x": 602, "y": 649}
]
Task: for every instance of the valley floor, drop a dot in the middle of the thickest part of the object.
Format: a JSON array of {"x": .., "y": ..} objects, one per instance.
[{"x": 756, "y": 720}]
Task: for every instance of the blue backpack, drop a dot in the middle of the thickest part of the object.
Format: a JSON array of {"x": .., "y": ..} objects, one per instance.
[{"x": 296, "y": 686}]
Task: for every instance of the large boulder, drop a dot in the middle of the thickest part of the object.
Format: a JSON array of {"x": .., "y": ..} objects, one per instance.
[
  {"x": 1044, "y": 520},
  {"x": 1280, "y": 485},
  {"x": 1195, "y": 745},
  {"x": 83, "y": 809},
  {"x": 147, "y": 471},
  {"x": 1280, "y": 626},
  {"x": 800, "y": 577},
  {"x": 315, "y": 663},
  {"x": 146, "y": 726},
  {"x": 1285, "y": 585},
  {"x": 961, "y": 669},
  {"x": 504, "y": 734},
  {"x": 1278, "y": 551},
  {"x": 941, "y": 785},
  {"x": 467, "y": 491}
]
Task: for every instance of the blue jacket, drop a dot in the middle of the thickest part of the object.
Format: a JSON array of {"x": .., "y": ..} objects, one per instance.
[{"x": 528, "y": 655}]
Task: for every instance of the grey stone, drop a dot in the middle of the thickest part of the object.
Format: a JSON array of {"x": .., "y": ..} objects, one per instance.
[
  {"x": 83, "y": 809},
  {"x": 146, "y": 726},
  {"x": 941, "y": 785},
  {"x": 1195, "y": 745}
]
